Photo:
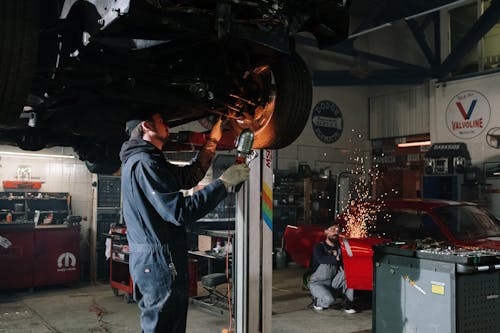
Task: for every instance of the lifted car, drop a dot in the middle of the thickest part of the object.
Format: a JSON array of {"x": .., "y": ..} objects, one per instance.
[
  {"x": 442, "y": 223},
  {"x": 73, "y": 71}
]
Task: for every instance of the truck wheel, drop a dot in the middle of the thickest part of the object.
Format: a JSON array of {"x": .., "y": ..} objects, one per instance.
[{"x": 287, "y": 86}]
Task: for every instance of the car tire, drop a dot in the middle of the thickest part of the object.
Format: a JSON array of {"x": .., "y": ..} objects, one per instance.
[
  {"x": 19, "y": 25},
  {"x": 104, "y": 166},
  {"x": 292, "y": 104},
  {"x": 101, "y": 158}
]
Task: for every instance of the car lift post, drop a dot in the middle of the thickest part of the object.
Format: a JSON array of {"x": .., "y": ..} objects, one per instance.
[{"x": 254, "y": 245}]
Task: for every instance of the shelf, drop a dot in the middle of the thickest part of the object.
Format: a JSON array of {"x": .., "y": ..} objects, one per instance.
[
  {"x": 51, "y": 211},
  {"x": 56, "y": 203},
  {"x": 25, "y": 224},
  {"x": 42, "y": 199},
  {"x": 120, "y": 261}
]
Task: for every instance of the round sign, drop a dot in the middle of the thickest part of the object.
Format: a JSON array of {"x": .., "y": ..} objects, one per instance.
[
  {"x": 468, "y": 114},
  {"x": 327, "y": 121}
]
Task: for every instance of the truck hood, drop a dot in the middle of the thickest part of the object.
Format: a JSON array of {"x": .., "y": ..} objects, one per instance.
[{"x": 492, "y": 243}]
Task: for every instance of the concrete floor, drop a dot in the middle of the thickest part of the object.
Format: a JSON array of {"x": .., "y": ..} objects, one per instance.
[{"x": 94, "y": 308}]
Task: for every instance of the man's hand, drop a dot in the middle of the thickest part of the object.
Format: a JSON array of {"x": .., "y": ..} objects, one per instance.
[
  {"x": 216, "y": 132},
  {"x": 235, "y": 174}
]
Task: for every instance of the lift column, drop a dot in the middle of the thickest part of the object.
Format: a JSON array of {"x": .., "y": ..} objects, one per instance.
[{"x": 254, "y": 245}]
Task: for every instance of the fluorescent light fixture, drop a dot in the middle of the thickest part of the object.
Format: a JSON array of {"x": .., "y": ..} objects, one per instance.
[
  {"x": 16, "y": 154},
  {"x": 414, "y": 144},
  {"x": 180, "y": 163}
]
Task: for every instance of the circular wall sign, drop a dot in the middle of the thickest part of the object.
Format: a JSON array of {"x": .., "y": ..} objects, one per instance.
[
  {"x": 468, "y": 114},
  {"x": 327, "y": 121}
]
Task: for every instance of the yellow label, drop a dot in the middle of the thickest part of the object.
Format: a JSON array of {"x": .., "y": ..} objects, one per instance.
[{"x": 436, "y": 289}]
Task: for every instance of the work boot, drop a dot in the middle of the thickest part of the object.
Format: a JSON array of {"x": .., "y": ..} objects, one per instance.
[{"x": 349, "y": 307}]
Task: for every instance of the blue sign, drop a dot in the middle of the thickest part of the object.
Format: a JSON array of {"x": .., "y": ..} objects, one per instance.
[{"x": 327, "y": 121}]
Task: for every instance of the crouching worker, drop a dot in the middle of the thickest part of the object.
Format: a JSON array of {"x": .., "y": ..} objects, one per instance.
[
  {"x": 156, "y": 214},
  {"x": 328, "y": 273}
]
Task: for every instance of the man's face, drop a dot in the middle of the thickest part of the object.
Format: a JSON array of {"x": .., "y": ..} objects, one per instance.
[
  {"x": 332, "y": 233},
  {"x": 161, "y": 129}
]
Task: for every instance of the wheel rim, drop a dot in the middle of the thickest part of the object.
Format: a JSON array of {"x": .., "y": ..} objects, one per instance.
[{"x": 263, "y": 79}]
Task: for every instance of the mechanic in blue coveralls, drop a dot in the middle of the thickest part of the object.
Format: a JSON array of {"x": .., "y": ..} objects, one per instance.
[
  {"x": 328, "y": 273},
  {"x": 156, "y": 214}
]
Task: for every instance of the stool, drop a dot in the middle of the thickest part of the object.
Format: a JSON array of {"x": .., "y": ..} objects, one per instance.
[{"x": 210, "y": 282}]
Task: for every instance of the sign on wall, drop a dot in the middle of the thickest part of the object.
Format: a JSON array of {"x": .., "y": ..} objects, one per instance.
[
  {"x": 468, "y": 114},
  {"x": 327, "y": 121}
]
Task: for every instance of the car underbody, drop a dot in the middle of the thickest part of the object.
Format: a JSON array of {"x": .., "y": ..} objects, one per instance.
[{"x": 80, "y": 69}]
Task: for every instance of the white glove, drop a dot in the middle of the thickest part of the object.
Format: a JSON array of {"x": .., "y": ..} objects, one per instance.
[{"x": 235, "y": 174}]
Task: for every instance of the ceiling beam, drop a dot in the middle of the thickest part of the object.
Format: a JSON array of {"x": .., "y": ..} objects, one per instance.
[
  {"x": 347, "y": 48},
  {"x": 376, "y": 77},
  {"x": 480, "y": 28},
  {"x": 418, "y": 32},
  {"x": 437, "y": 35},
  {"x": 378, "y": 59},
  {"x": 450, "y": 5}
]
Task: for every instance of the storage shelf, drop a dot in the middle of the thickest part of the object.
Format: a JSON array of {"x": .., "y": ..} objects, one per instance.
[{"x": 57, "y": 203}]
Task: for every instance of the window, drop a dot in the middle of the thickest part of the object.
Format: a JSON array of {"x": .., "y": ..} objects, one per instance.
[
  {"x": 468, "y": 222},
  {"x": 406, "y": 225}
]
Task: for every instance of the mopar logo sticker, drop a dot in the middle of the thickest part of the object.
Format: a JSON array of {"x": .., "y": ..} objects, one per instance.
[
  {"x": 468, "y": 114},
  {"x": 327, "y": 121},
  {"x": 66, "y": 262}
]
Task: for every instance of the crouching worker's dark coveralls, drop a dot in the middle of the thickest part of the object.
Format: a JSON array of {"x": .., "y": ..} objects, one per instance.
[{"x": 156, "y": 213}]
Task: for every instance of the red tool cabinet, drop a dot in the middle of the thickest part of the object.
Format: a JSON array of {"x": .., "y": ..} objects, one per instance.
[
  {"x": 119, "y": 276},
  {"x": 56, "y": 256},
  {"x": 16, "y": 256},
  {"x": 31, "y": 257}
]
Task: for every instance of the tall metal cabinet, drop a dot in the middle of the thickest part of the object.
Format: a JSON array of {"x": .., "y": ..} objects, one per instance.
[{"x": 107, "y": 211}]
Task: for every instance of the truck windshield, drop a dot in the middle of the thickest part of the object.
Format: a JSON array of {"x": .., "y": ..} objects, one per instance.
[{"x": 466, "y": 222}]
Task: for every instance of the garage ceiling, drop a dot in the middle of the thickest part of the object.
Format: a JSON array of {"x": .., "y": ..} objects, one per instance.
[{"x": 421, "y": 18}]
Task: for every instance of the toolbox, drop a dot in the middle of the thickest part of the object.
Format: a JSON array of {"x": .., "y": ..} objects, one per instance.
[
  {"x": 435, "y": 289},
  {"x": 119, "y": 275}
]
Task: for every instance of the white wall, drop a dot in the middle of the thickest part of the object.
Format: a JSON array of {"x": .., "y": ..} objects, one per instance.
[
  {"x": 349, "y": 151},
  {"x": 58, "y": 175},
  {"x": 440, "y": 97}
]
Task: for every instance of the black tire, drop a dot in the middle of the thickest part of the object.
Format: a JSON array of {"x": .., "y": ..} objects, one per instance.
[
  {"x": 19, "y": 26},
  {"x": 101, "y": 158},
  {"x": 104, "y": 167},
  {"x": 288, "y": 112},
  {"x": 128, "y": 298},
  {"x": 115, "y": 291}
]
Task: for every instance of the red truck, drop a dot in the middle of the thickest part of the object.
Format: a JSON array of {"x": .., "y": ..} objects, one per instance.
[{"x": 446, "y": 223}]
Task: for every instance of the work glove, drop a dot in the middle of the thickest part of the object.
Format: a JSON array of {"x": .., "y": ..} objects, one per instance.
[{"x": 235, "y": 174}]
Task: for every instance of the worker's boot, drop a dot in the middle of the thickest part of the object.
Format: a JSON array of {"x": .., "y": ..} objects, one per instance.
[{"x": 349, "y": 307}]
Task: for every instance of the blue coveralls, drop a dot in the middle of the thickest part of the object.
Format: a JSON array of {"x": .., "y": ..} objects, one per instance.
[{"x": 156, "y": 213}]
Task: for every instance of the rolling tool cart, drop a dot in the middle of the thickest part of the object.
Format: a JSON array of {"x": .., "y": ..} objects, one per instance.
[
  {"x": 445, "y": 289},
  {"x": 119, "y": 276}
]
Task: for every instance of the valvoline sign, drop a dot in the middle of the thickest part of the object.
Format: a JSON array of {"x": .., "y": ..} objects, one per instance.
[{"x": 468, "y": 114}]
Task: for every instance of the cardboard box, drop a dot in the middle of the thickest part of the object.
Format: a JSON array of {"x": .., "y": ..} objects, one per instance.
[{"x": 206, "y": 243}]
